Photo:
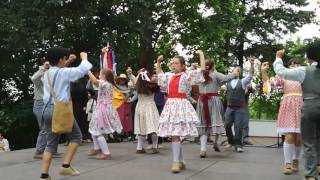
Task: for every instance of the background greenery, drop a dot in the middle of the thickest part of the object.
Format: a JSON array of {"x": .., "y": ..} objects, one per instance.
[{"x": 139, "y": 30}]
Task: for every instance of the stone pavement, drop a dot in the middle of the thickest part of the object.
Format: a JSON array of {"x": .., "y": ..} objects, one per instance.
[{"x": 256, "y": 163}]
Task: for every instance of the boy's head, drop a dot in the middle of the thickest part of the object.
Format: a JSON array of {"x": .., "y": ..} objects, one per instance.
[
  {"x": 57, "y": 55},
  {"x": 237, "y": 72},
  {"x": 313, "y": 51}
]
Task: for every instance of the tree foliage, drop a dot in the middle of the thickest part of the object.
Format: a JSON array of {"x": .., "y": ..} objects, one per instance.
[
  {"x": 139, "y": 30},
  {"x": 265, "y": 20}
]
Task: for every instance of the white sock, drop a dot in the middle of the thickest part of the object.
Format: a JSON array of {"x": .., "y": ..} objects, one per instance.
[
  {"x": 296, "y": 154},
  {"x": 103, "y": 145},
  {"x": 203, "y": 142},
  {"x": 140, "y": 143},
  {"x": 288, "y": 150},
  {"x": 95, "y": 143},
  {"x": 176, "y": 148},
  {"x": 181, "y": 159},
  {"x": 154, "y": 140}
]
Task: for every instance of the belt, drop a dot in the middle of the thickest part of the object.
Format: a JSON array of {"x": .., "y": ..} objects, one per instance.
[
  {"x": 204, "y": 98},
  {"x": 241, "y": 105}
]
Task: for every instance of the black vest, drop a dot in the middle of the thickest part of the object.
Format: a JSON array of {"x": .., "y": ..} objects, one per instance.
[{"x": 236, "y": 96}]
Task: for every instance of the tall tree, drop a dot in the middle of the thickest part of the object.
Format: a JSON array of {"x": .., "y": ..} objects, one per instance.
[{"x": 264, "y": 20}]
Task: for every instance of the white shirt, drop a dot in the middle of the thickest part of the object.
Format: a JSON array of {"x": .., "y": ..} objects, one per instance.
[
  {"x": 91, "y": 106},
  {"x": 64, "y": 77},
  {"x": 245, "y": 82},
  {"x": 4, "y": 145}
]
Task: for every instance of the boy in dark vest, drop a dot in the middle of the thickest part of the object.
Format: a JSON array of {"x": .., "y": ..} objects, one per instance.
[
  {"x": 310, "y": 122},
  {"x": 236, "y": 107}
]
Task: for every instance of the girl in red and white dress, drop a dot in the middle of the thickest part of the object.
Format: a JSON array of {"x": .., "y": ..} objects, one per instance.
[
  {"x": 288, "y": 123},
  {"x": 178, "y": 118}
]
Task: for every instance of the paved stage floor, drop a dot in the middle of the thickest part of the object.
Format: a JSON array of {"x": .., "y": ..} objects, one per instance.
[{"x": 256, "y": 163}]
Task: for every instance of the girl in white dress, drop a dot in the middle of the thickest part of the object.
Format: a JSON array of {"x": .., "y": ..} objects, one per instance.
[{"x": 146, "y": 118}]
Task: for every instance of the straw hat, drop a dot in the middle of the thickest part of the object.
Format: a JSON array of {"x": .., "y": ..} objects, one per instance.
[{"x": 123, "y": 76}]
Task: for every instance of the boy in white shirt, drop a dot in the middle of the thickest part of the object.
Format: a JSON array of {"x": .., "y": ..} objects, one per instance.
[{"x": 61, "y": 79}]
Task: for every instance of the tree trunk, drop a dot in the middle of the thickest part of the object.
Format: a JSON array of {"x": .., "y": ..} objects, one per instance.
[
  {"x": 146, "y": 49},
  {"x": 226, "y": 50},
  {"x": 240, "y": 50}
]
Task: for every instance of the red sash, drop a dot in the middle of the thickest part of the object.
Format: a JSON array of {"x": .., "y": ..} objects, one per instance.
[
  {"x": 204, "y": 98},
  {"x": 177, "y": 95}
]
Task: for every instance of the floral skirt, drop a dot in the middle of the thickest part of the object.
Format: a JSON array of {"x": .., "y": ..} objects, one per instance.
[
  {"x": 178, "y": 118},
  {"x": 110, "y": 118}
]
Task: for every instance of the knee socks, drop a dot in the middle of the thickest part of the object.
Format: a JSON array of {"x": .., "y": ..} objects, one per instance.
[{"x": 103, "y": 145}]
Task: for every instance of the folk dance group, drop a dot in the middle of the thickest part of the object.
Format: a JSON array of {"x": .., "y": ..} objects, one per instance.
[{"x": 179, "y": 119}]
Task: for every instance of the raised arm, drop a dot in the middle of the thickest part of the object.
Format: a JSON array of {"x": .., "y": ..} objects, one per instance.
[
  {"x": 159, "y": 60},
  {"x": 264, "y": 71},
  {"x": 74, "y": 73},
  {"x": 202, "y": 60},
  {"x": 296, "y": 74},
  {"x": 36, "y": 77},
  {"x": 251, "y": 67},
  {"x": 247, "y": 80},
  {"x": 221, "y": 78},
  {"x": 93, "y": 79}
]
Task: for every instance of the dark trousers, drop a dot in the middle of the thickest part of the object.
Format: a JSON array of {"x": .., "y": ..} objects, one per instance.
[
  {"x": 310, "y": 133},
  {"x": 234, "y": 116},
  {"x": 245, "y": 132},
  {"x": 81, "y": 118}
]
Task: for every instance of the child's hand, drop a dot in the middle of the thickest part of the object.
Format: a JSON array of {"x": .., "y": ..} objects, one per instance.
[
  {"x": 199, "y": 52},
  {"x": 265, "y": 66},
  {"x": 72, "y": 57},
  {"x": 84, "y": 56},
  {"x": 160, "y": 58},
  {"x": 280, "y": 53}
]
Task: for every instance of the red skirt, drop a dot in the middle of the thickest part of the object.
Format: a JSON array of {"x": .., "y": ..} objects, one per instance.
[{"x": 125, "y": 115}]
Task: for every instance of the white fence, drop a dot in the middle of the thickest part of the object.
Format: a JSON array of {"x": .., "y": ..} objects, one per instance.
[{"x": 262, "y": 128}]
